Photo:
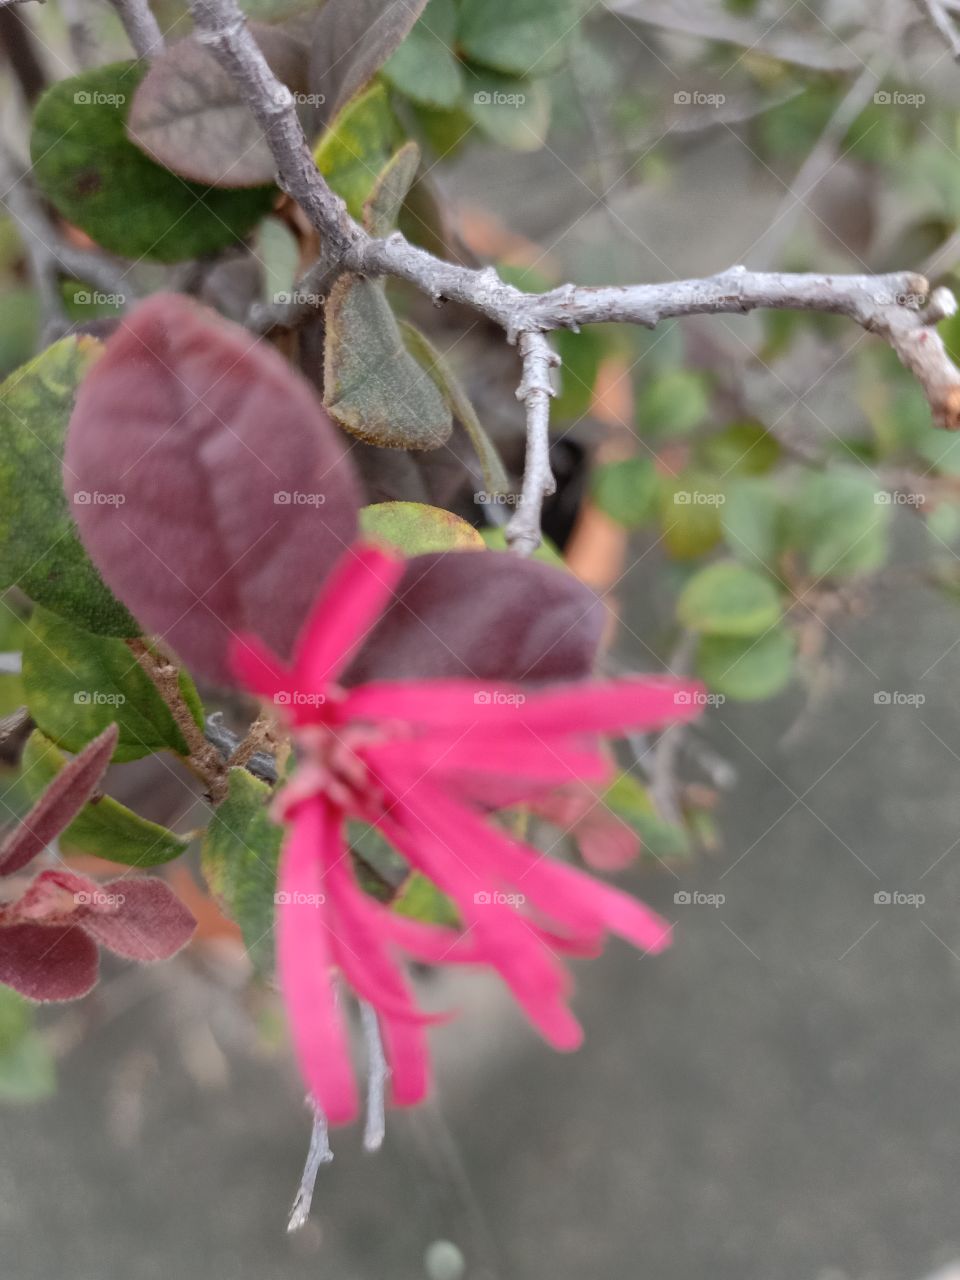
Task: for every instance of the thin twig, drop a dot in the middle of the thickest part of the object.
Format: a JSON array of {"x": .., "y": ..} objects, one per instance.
[
  {"x": 535, "y": 392},
  {"x": 939, "y": 18},
  {"x": 897, "y": 307},
  {"x": 143, "y": 30},
  {"x": 203, "y": 757}
]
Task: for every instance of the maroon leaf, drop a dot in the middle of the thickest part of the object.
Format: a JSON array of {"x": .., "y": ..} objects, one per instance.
[
  {"x": 59, "y": 805},
  {"x": 487, "y": 615},
  {"x": 352, "y": 39},
  {"x": 224, "y": 491},
  {"x": 46, "y": 962},
  {"x": 56, "y": 896},
  {"x": 151, "y": 923},
  {"x": 191, "y": 116}
]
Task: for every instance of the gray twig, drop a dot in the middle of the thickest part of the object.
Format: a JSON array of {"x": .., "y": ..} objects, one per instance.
[
  {"x": 143, "y": 30},
  {"x": 535, "y": 392},
  {"x": 898, "y": 307},
  {"x": 938, "y": 14},
  {"x": 318, "y": 1154}
]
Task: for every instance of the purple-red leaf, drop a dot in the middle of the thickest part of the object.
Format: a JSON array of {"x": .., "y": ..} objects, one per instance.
[
  {"x": 487, "y": 615},
  {"x": 223, "y": 493},
  {"x": 151, "y": 923},
  {"x": 48, "y": 962},
  {"x": 352, "y": 39},
  {"x": 59, "y": 805}
]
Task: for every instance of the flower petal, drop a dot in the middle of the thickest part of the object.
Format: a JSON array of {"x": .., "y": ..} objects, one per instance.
[
  {"x": 304, "y": 963},
  {"x": 351, "y": 603}
]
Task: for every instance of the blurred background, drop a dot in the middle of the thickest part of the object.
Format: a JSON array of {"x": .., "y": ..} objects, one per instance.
[{"x": 775, "y": 1096}]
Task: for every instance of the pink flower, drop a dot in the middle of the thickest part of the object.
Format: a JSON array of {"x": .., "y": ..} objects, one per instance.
[{"x": 424, "y": 762}]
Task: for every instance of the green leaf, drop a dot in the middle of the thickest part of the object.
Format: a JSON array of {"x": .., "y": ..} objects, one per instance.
[
  {"x": 417, "y": 529},
  {"x": 581, "y": 355},
  {"x": 727, "y": 599},
  {"x": 420, "y": 899},
  {"x": 453, "y": 391},
  {"x": 99, "y": 180},
  {"x": 373, "y": 386},
  {"x": 239, "y": 857},
  {"x": 626, "y": 491},
  {"x": 522, "y": 37},
  {"x": 689, "y": 506},
  {"x": 425, "y": 68},
  {"x": 27, "y": 1069},
  {"x": 674, "y": 403},
  {"x": 105, "y": 828},
  {"x": 753, "y": 518},
  {"x": 513, "y": 113},
  {"x": 39, "y": 547},
  {"x": 359, "y": 143},
  {"x": 632, "y": 802},
  {"x": 77, "y": 683},
  {"x": 747, "y": 669},
  {"x": 745, "y": 448},
  {"x": 382, "y": 207},
  {"x": 839, "y": 524}
]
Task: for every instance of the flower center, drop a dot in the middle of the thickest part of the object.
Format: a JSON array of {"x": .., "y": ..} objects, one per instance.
[{"x": 331, "y": 763}]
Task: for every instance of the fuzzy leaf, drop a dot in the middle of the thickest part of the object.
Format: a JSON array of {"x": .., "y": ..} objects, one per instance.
[
  {"x": 453, "y": 391},
  {"x": 151, "y": 922},
  {"x": 238, "y": 496},
  {"x": 382, "y": 207},
  {"x": 239, "y": 857},
  {"x": 425, "y": 68},
  {"x": 352, "y": 39},
  {"x": 727, "y": 599},
  {"x": 59, "y": 805},
  {"x": 523, "y": 37},
  {"x": 839, "y": 525},
  {"x": 747, "y": 669},
  {"x": 107, "y": 828},
  {"x": 357, "y": 147},
  {"x": 97, "y": 179},
  {"x": 374, "y": 387},
  {"x": 416, "y": 529},
  {"x": 491, "y": 616},
  {"x": 48, "y": 962},
  {"x": 190, "y": 115},
  {"x": 39, "y": 547},
  {"x": 512, "y": 113},
  {"x": 76, "y": 683}
]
